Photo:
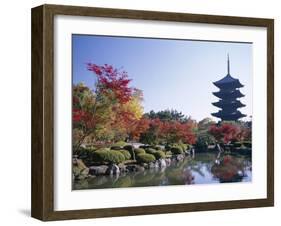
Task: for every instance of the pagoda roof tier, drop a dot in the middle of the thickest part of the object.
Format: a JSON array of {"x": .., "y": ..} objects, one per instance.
[
  {"x": 228, "y": 94},
  {"x": 228, "y": 104},
  {"x": 228, "y": 82},
  {"x": 233, "y": 116}
]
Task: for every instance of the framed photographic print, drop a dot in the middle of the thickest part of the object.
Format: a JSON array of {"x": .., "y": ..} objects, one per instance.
[{"x": 141, "y": 112}]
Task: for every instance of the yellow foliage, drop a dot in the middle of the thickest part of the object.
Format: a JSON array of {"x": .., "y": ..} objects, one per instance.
[{"x": 134, "y": 106}]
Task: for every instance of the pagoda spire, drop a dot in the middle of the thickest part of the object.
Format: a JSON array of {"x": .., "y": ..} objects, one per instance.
[
  {"x": 228, "y": 95},
  {"x": 228, "y": 67}
]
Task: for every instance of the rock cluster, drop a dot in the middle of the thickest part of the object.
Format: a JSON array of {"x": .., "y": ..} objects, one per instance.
[{"x": 81, "y": 171}]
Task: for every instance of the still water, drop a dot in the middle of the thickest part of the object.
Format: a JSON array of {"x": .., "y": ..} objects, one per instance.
[{"x": 203, "y": 168}]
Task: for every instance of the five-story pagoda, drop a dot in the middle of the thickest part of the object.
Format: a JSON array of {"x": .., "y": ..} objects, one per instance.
[{"x": 228, "y": 94}]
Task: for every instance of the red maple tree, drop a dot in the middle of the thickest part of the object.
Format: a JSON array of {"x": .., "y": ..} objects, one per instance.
[
  {"x": 112, "y": 81},
  {"x": 225, "y": 132},
  {"x": 175, "y": 131},
  {"x": 141, "y": 126}
]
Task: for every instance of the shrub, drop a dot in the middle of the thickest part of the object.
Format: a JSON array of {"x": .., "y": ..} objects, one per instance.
[
  {"x": 108, "y": 156},
  {"x": 168, "y": 153},
  {"x": 82, "y": 152},
  {"x": 150, "y": 151},
  {"x": 176, "y": 150},
  {"x": 183, "y": 146},
  {"x": 90, "y": 147},
  {"x": 116, "y": 157},
  {"x": 100, "y": 156},
  {"x": 247, "y": 144},
  {"x": 159, "y": 154},
  {"x": 145, "y": 158},
  {"x": 126, "y": 154},
  {"x": 180, "y": 145},
  {"x": 85, "y": 154},
  {"x": 120, "y": 143},
  {"x": 139, "y": 151},
  {"x": 148, "y": 137},
  {"x": 203, "y": 141}
]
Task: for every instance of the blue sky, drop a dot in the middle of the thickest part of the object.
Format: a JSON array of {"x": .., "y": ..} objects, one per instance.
[{"x": 173, "y": 74}]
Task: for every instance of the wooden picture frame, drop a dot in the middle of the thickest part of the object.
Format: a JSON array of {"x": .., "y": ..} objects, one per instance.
[{"x": 43, "y": 112}]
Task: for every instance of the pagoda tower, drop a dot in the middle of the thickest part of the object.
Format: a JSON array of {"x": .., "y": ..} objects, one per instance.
[{"x": 228, "y": 94}]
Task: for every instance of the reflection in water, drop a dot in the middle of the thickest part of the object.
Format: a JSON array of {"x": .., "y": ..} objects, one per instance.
[
  {"x": 204, "y": 168},
  {"x": 231, "y": 169}
]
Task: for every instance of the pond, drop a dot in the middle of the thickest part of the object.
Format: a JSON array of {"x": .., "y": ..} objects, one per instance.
[{"x": 203, "y": 168}]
